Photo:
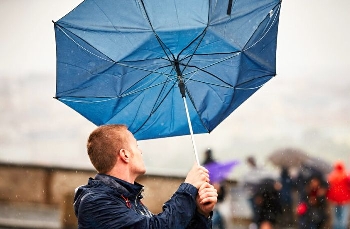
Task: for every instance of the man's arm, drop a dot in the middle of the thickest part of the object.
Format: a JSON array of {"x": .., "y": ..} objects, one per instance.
[
  {"x": 205, "y": 202},
  {"x": 109, "y": 211}
]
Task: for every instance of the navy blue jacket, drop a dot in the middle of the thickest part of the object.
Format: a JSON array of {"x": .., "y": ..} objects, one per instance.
[{"x": 108, "y": 202}]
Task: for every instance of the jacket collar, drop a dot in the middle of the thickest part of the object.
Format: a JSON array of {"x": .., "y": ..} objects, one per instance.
[{"x": 121, "y": 185}]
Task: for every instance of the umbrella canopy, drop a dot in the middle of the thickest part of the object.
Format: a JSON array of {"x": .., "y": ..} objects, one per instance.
[
  {"x": 125, "y": 61},
  {"x": 288, "y": 157},
  {"x": 219, "y": 171},
  {"x": 319, "y": 164}
]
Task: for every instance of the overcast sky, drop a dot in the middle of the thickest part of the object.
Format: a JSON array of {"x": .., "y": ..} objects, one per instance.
[
  {"x": 313, "y": 33},
  {"x": 307, "y": 104}
]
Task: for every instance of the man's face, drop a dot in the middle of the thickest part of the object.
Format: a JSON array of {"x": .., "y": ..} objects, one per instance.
[{"x": 136, "y": 163}]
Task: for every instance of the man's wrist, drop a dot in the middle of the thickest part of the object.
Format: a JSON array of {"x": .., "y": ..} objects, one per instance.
[{"x": 207, "y": 215}]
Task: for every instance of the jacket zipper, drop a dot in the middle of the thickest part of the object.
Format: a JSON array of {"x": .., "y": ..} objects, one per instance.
[{"x": 144, "y": 210}]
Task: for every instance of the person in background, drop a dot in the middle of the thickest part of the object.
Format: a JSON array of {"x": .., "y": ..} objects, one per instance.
[
  {"x": 339, "y": 195},
  {"x": 286, "y": 200},
  {"x": 251, "y": 181},
  {"x": 113, "y": 199},
  {"x": 312, "y": 211},
  {"x": 267, "y": 203},
  {"x": 218, "y": 220}
]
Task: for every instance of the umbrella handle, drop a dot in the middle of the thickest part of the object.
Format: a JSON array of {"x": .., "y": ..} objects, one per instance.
[{"x": 191, "y": 131}]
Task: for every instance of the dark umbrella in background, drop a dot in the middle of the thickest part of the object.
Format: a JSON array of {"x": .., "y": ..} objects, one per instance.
[
  {"x": 164, "y": 68},
  {"x": 319, "y": 164},
  {"x": 308, "y": 167},
  {"x": 288, "y": 157}
]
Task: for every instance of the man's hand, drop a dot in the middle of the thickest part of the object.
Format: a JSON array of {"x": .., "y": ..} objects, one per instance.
[
  {"x": 206, "y": 199},
  {"x": 197, "y": 176}
]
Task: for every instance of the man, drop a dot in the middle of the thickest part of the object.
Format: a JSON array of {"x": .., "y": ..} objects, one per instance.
[{"x": 113, "y": 199}]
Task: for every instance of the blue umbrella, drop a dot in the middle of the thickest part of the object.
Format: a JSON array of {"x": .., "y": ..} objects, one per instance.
[{"x": 164, "y": 68}]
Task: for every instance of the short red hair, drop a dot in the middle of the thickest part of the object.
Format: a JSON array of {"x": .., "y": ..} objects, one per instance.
[{"x": 103, "y": 145}]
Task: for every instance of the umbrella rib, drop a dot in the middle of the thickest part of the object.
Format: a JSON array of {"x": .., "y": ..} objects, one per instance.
[
  {"x": 109, "y": 59},
  {"x": 106, "y": 98},
  {"x": 75, "y": 42},
  {"x": 169, "y": 79},
  {"x": 164, "y": 47},
  {"x": 191, "y": 55},
  {"x": 109, "y": 19},
  {"x": 144, "y": 89},
  {"x": 145, "y": 69},
  {"x": 131, "y": 92},
  {"x": 200, "y": 35},
  {"x": 207, "y": 66},
  {"x": 269, "y": 28},
  {"x": 167, "y": 75},
  {"x": 217, "y": 62},
  {"x": 161, "y": 73},
  {"x": 212, "y": 84},
  {"x": 251, "y": 88},
  {"x": 229, "y": 85},
  {"x": 155, "y": 107},
  {"x": 120, "y": 96},
  {"x": 76, "y": 66}
]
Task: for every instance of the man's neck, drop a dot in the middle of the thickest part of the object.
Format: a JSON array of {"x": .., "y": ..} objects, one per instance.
[{"x": 123, "y": 174}]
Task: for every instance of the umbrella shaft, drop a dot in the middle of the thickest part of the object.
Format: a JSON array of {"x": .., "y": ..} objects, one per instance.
[
  {"x": 183, "y": 94},
  {"x": 191, "y": 131},
  {"x": 180, "y": 78}
]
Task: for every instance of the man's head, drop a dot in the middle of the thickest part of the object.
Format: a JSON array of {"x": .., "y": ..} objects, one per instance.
[{"x": 109, "y": 143}]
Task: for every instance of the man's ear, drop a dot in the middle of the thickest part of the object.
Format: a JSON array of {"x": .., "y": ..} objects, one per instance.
[{"x": 124, "y": 155}]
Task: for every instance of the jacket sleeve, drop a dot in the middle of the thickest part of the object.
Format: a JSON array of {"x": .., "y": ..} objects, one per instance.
[
  {"x": 200, "y": 222},
  {"x": 106, "y": 211}
]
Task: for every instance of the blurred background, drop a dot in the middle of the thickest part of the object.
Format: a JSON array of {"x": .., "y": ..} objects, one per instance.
[{"x": 305, "y": 106}]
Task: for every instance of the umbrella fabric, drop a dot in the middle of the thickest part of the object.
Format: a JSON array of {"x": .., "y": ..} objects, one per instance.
[
  {"x": 219, "y": 171},
  {"x": 319, "y": 164},
  {"x": 288, "y": 157},
  {"x": 124, "y": 61}
]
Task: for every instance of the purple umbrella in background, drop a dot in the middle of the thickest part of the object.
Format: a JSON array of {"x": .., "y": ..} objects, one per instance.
[{"x": 220, "y": 171}]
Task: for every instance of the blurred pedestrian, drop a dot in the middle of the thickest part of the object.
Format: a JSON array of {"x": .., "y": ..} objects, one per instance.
[
  {"x": 305, "y": 174},
  {"x": 312, "y": 211},
  {"x": 286, "y": 200},
  {"x": 208, "y": 157},
  {"x": 268, "y": 206},
  {"x": 251, "y": 180},
  {"x": 339, "y": 195},
  {"x": 113, "y": 199}
]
